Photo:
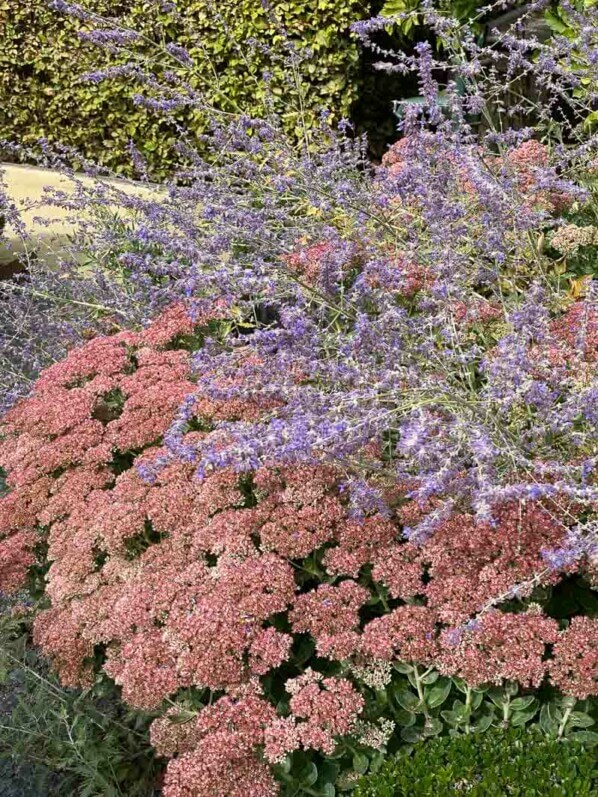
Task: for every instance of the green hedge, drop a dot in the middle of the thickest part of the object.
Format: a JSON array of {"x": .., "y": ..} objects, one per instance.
[
  {"x": 498, "y": 763},
  {"x": 41, "y": 60}
]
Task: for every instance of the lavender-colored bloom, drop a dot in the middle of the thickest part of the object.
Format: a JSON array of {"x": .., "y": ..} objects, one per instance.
[
  {"x": 580, "y": 542},
  {"x": 180, "y": 53}
]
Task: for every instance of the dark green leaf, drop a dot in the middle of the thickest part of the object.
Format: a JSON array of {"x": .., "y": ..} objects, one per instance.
[
  {"x": 521, "y": 717},
  {"x": 309, "y": 774},
  {"x": 460, "y": 684},
  {"x": 411, "y": 735},
  {"x": 360, "y": 763},
  {"x": 483, "y": 723},
  {"x": 438, "y": 694},
  {"x": 547, "y": 723},
  {"x": 407, "y": 700},
  {"x": 404, "y": 717},
  {"x": 497, "y": 696},
  {"x": 578, "y": 719},
  {"x": 521, "y": 703},
  {"x": 589, "y": 738},
  {"x": 432, "y": 727}
]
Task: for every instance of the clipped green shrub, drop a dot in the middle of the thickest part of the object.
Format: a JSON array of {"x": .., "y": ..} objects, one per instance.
[
  {"x": 42, "y": 59},
  {"x": 494, "y": 764}
]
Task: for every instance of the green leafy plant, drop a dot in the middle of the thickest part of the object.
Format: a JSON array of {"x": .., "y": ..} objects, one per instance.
[
  {"x": 426, "y": 706},
  {"x": 514, "y": 762},
  {"x": 409, "y": 12},
  {"x": 40, "y": 96},
  {"x": 574, "y": 244},
  {"x": 562, "y": 23}
]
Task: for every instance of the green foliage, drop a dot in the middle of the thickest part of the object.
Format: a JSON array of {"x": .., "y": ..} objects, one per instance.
[
  {"x": 395, "y": 8},
  {"x": 462, "y": 10},
  {"x": 559, "y": 20},
  {"x": 513, "y": 762},
  {"x": 67, "y": 742},
  {"x": 41, "y": 60},
  {"x": 562, "y": 23},
  {"x": 424, "y": 704},
  {"x": 425, "y": 707}
]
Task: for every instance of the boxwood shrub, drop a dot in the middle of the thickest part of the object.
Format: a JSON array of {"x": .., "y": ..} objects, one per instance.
[
  {"x": 42, "y": 59},
  {"x": 494, "y": 764}
]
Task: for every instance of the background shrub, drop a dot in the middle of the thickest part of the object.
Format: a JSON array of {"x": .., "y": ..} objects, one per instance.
[
  {"x": 498, "y": 763},
  {"x": 41, "y": 61}
]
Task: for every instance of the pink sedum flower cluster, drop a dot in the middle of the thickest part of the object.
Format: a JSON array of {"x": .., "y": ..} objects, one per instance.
[
  {"x": 522, "y": 167},
  {"x": 215, "y": 751},
  {"x": 331, "y": 615},
  {"x": 501, "y": 647},
  {"x": 321, "y": 710},
  {"x": 574, "y": 668}
]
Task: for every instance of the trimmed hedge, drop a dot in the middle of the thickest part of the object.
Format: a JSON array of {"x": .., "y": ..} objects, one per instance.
[
  {"x": 515, "y": 762},
  {"x": 41, "y": 60}
]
